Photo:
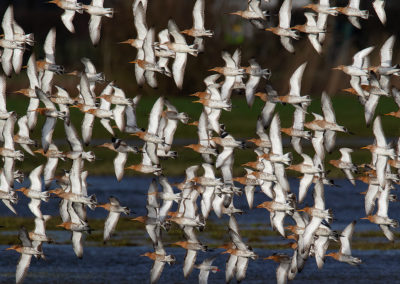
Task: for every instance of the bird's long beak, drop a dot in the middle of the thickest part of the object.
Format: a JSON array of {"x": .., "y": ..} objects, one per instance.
[{"x": 128, "y": 41}]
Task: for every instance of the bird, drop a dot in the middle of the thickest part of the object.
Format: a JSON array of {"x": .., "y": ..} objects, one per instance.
[
  {"x": 139, "y": 16},
  {"x": 240, "y": 254},
  {"x": 345, "y": 164},
  {"x": 294, "y": 96},
  {"x": 284, "y": 266},
  {"x": 7, "y": 195},
  {"x": 91, "y": 73},
  {"x": 279, "y": 159},
  {"x": 51, "y": 114},
  {"x": 103, "y": 111},
  {"x": 168, "y": 124},
  {"x": 77, "y": 149},
  {"x": 319, "y": 214},
  {"x": 27, "y": 251},
  {"x": 379, "y": 7},
  {"x": 47, "y": 67},
  {"x": 374, "y": 91},
  {"x": 96, "y": 11},
  {"x": 205, "y": 267},
  {"x": 324, "y": 10},
  {"x": 279, "y": 207},
  {"x": 254, "y": 14},
  {"x": 353, "y": 12},
  {"x": 149, "y": 64},
  {"x": 344, "y": 254},
  {"x": 122, "y": 149},
  {"x": 8, "y": 150},
  {"x": 255, "y": 74},
  {"x": 21, "y": 38},
  {"x": 283, "y": 30},
  {"x": 330, "y": 126},
  {"x": 381, "y": 216},
  {"x": 309, "y": 169},
  {"x": 130, "y": 115},
  {"x": 192, "y": 247},
  {"x": 152, "y": 219},
  {"x": 386, "y": 69},
  {"x": 231, "y": 70},
  {"x": 146, "y": 166},
  {"x": 115, "y": 210},
  {"x": 355, "y": 70},
  {"x": 198, "y": 31},
  {"x": 38, "y": 235},
  {"x": 312, "y": 30},
  {"x": 297, "y": 131},
  {"x": 30, "y": 92},
  {"x": 382, "y": 150},
  {"x": 10, "y": 46},
  {"x": 35, "y": 193},
  {"x": 77, "y": 226},
  {"x": 151, "y": 135},
  {"x": 4, "y": 114},
  {"x": 159, "y": 257},
  {"x": 181, "y": 49},
  {"x": 69, "y": 7},
  {"x": 52, "y": 154}
]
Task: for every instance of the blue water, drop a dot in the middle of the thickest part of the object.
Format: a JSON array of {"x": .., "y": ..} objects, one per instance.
[
  {"x": 124, "y": 265},
  {"x": 345, "y": 200}
]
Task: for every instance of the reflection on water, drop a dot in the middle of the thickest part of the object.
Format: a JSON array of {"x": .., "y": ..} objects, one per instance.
[{"x": 124, "y": 265}]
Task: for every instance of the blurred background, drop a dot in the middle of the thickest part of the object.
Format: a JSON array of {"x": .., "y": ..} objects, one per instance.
[
  {"x": 103, "y": 264},
  {"x": 231, "y": 32}
]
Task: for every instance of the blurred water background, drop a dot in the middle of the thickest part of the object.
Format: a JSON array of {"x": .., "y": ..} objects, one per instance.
[{"x": 123, "y": 264}]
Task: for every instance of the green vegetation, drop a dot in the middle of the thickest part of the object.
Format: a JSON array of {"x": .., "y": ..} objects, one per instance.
[
  {"x": 241, "y": 123},
  {"x": 133, "y": 233}
]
